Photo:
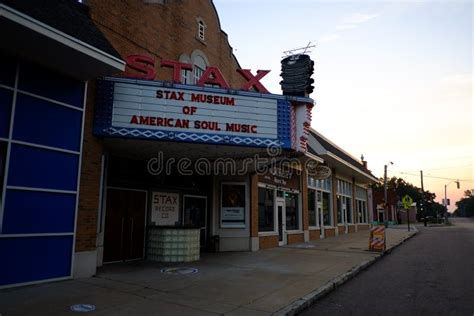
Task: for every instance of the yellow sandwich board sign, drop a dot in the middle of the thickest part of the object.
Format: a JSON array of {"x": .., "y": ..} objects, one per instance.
[{"x": 377, "y": 238}]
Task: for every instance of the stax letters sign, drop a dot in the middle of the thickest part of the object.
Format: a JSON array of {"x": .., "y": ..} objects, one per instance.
[{"x": 144, "y": 68}]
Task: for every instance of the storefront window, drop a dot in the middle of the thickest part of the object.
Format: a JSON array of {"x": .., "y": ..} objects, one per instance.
[
  {"x": 312, "y": 207},
  {"x": 362, "y": 211},
  {"x": 292, "y": 218},
  {"x": 233, "y": 205},
  {"x": 349, "y": 210},
  {"x": 361, "y": 204},
  {"x": 266, "y": 210},
  {"x": 340, "y": 219},
  {"x": 344, "y": 202},
  {"x": 322, "y": 193}
]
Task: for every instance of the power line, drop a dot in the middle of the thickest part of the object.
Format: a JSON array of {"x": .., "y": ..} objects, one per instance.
[
  {"x": 435, "y": 177},
  {"x": 441, "y": 168}
]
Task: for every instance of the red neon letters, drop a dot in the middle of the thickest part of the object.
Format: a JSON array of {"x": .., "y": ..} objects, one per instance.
[{"x": 144, "y": 67}]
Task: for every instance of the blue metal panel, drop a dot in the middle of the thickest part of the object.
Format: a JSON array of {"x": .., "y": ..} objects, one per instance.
[
  {"x": 38, "y": 212},
  {"x": 41, "y": 168},
  {"x": 45, "y": 83},
  {"x": 42, "y": 122},
  {"x": 7, "y": 70},
  {"x": 30, "y": 259},
  {"x": 6, "y": 98}
]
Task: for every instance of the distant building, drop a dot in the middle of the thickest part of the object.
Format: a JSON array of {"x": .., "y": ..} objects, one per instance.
[{"x": 382, "y": 214}]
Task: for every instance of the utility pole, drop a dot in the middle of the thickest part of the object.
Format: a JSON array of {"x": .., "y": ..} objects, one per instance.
[
  {"x": 422, "y": 188},
  {"x": 385, "y": 191},
  {"x": 423, "y": 206}
]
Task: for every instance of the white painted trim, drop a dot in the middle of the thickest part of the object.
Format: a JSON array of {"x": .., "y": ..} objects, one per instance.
[
  {"x": 2, "y": 287},
  {"x": 330, "y": 154},
  {"x": 78, "y": 183},
  {"x": 314, "y": 157},
  {"x": 3, "y": 139},
  {"x": 294, "y": 232},
  {"x": 36, "y": 96},
  {"x": 61, "y": 37},
  {"x": 67, "y": 151},
  {"x": 263, "y": 234},
  {"x": 11, "y": 187},
  {"x": 9, "y": 145},
  {"x": 36, "y": 235},
  {"x": 314, "y": 227}
]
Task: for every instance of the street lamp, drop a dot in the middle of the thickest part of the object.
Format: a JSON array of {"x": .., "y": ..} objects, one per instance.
[
  {"x": 446, "y": 198},
  {"x": 385, "y": 188}
]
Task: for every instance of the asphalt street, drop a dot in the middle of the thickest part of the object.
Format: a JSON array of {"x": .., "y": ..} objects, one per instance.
[{"x": 430, "y": 274}]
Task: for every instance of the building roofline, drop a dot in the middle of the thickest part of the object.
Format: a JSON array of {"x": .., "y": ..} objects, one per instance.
[{"x": 61, "y": 37}]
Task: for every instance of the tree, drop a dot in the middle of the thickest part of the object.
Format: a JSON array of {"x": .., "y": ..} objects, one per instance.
[
  {"x": 425, "y": 201},
  {"x": 465, "y": 206}
]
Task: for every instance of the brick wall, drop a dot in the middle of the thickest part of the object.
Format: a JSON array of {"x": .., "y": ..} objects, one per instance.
[
  {"x": 351, "y": 228},
  {"x": 295, "y": 238},
  {"x": 254, "y": 205},
  {"x": 362, "y": 227},
  {"x": 90, "y": 181},
  {"x": 314, "y": 234},
  {"x": 165, "y": 31},
  {"x": 304, "y": 199},
  {"x": 266, "y": 242},
  {"x": 160, "y": 31},
  {"x": 341, "y": 229},
  {"x": 329, "y": 232}
]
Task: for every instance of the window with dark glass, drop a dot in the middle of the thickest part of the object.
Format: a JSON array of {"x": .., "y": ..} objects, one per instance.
[
  {"x": 3, "y": 154},
  {"x": 349, "y": 210},
  {"x": 312, "y": 207},
  {"x": 339, "y": 210},
  {"x": 292, "y": 218},
  {"x": 266, "y": 210},
  {"x": 362, "y": 211},
  {"x": 327, "y": 215}
]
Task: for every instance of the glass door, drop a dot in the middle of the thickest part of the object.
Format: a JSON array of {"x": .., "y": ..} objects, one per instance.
[
  {"x": 195, "y": 214},
  {"x": 280, "y": 205},
  {"x": 344, "y": 214},
  {"x": 319, "y": 213}
]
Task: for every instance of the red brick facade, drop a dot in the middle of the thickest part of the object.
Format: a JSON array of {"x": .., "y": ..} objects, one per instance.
[
  {"x": 266, "y": 242},
  {"x": 159, "y": 31},
  {"x": 314, "y": 234},
  {"x": 295, "y": 238}
]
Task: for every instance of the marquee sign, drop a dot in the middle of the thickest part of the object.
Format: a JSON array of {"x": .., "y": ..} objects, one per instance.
[{"x": 157, "y": 110}]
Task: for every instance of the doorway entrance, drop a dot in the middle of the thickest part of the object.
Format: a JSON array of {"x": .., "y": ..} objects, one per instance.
[
  {"x": 281, "y": 212},
  {"x": 195, "y": 215},
  {"x": 124, "y": 233},
  {"x": 319, "y": 213}
]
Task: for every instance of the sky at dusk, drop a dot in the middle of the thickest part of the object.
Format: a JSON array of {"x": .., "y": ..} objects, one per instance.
[{"x": 393, "y": 79}]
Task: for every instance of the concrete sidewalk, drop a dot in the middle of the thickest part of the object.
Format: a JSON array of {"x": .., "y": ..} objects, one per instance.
[{"x": 274, "y": 281}]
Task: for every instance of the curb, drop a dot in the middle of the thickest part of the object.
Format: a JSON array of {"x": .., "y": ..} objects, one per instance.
[{"x": 309, "y": 299}]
